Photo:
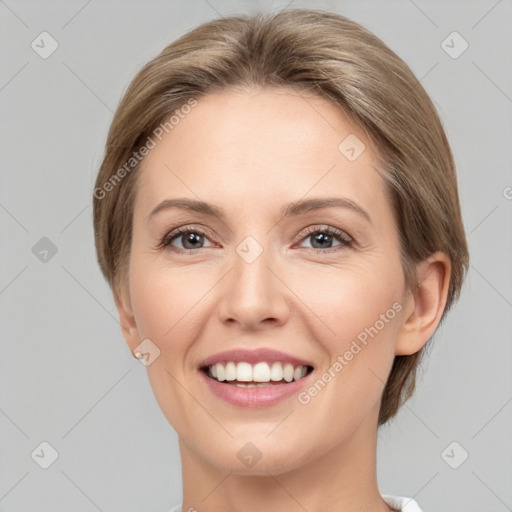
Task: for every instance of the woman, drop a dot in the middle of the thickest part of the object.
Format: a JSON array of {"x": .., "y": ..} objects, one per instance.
[{"x": 278, "y": 217}]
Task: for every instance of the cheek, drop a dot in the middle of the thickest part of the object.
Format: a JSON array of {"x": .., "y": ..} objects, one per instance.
[
  {"x": 163, "y": 298},
  {"x": 163, "y": 304},
  {"x": 356, "y": 320},
  {"x": 345, "y": 301}
]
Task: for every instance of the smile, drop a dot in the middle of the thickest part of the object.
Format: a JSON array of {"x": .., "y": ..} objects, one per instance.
[{"x": 261, "y": 374}]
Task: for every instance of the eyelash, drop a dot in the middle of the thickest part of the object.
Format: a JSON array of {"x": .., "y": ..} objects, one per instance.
[{"x": 345, "y": 240}]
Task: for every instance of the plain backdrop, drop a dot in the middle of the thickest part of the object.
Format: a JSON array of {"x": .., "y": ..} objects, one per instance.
[{"x": 67, "y": 377}]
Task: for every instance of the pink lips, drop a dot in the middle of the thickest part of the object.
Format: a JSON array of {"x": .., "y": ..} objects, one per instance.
[{"x": 254, "y": 396}]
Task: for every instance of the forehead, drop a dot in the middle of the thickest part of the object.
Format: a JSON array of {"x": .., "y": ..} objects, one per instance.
[{"x": 260, "y": 146}]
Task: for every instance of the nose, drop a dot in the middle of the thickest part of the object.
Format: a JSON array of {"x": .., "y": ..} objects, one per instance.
[{"x": 254, "y": 294}]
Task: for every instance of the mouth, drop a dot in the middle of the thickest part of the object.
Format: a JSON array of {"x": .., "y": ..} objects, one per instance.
[
  {"x": 257, "y": 378},
  {"x": 261, "y": 374}
]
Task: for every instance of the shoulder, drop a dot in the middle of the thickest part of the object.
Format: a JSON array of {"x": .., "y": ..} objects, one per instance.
[{"x": 399, "y": 502}]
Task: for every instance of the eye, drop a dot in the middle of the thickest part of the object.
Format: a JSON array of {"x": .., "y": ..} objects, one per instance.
[
  {"x": 191, "y": 239},
  {"x": 322, "y": 239}
]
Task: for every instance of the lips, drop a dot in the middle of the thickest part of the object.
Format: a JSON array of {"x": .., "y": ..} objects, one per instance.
[{"x": 254, "y": 378}]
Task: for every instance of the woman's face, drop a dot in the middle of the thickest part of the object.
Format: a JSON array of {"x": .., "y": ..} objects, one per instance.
[{"x": 265, "y": 280}]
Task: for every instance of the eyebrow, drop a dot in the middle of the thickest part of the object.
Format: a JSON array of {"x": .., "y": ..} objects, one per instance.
[{"x": 293, "y": 209}]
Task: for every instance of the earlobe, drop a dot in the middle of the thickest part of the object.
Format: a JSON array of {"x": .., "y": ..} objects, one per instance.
[
  {"x": 424, "y": 305},
  {"x": 127, "y": 319}
]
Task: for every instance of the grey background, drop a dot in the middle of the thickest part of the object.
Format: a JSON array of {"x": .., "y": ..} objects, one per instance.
[{"x": 67, "y": 376}]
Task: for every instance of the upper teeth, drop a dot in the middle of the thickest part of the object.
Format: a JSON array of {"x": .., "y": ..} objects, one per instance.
[{"x": 260, "y": 372}]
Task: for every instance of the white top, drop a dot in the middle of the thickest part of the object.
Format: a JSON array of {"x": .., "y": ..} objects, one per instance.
[{"x": 399, "y": 502}]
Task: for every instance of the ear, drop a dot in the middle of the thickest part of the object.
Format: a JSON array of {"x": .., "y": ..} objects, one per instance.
[
  {"x": 127, "y": 319},
  {"x": 424, "y": 305}
]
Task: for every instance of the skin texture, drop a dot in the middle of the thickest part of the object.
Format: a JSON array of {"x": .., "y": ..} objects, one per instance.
[{"x": 250, "y": 152}]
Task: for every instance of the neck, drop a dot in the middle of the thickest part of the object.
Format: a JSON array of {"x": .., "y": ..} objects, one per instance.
[{"x": 342, "y": 480}]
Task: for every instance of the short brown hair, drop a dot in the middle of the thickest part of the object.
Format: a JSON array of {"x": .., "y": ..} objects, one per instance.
[{"x": 333, "y": 57}]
